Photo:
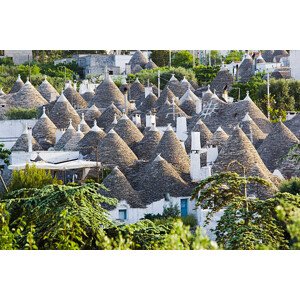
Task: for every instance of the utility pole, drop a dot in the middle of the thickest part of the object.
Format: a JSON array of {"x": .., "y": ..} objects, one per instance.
[
  {"x": 194, "y": 59},
  {"x": 158, "y": 82},
  {"x": 268, "y": 94}
]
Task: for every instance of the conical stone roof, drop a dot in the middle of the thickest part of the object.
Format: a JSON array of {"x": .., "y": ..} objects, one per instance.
[
  {"x": 290, "y": 166},
  {"x": 158, "y": 178},
  {"x": 207, "y": 94},
  {"x": 223, "y": 79},
  {"x": 188, "y": 95},
  {"x": 88, "y": 97},
  {"x": 62, "y": 112},
  {"x": 268, "y": 55},
  {"x": 172, "y": 150},
  {"x": 128, "y": 131},
  {"x": 230, "y": 115},
  {"x": 106, "y": 93},
  {"x": 136, "y": 90},
  {"x": 68, "y": 134},
  {"x": 165, "y": 114},
  {"x": 205, "y": 135},
  {"x": 91, "y": 114},
  {"x": 119, "y": 187},
  {"x": 253, "y": 132},
  {"x": 84, "y": 127},
  {"x": 136, "y": 69},
  {"x": 246, "y": 70},
  {"x": 108, "y": 116},
  {"x": 238, "y": 148},
  {"x": 138, "y": 58},
  {"x": 44, "y": 131},
  {"x": 27, "y": 97},
  {"x": 21, "y": 143},
  {"x": 48, "y": 91},
  {"x": 148, "y": 103},
  {"x": 260, "y": 191},
  {"x": 176, "y": 87},
  {"x": 150, "y": 65},
  {"x": 113, "y": 151},
  {"x": 17, "y": 85},
  {"x": 189, "y": 106},
  {"x": 75, "y": 98},
  {"x": 294, "y": 125},
  {"x": 166, "y": 95},
  {"x": 88, "y": 144},
  {"x": 219, "y": 138},
  {"x": 147, "y": 146},
  {"x": 72, "y": 143},
  {"x": 276, "y": 146}
]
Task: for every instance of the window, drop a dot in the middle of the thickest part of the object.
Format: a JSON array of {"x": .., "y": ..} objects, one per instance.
[{"x": 122, "y": 214}]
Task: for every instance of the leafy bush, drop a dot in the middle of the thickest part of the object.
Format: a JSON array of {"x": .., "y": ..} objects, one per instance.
[
  {"x": 182, "y": 58},
  {"x": 205, "y": 74},
  {"x": 291, "y": 186},
  {"x": 189, "y": 220},
  {"x": 16, "y": 113},
  {"x": 31, "y": 177}
]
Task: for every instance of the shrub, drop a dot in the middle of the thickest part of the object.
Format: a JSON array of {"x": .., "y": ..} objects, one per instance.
[
  {"x": 189, "y": 220},
  {"x": 31, "y": 177},
  {"x": 291, "y": 186},
  {"x": 17, "y": 113}
]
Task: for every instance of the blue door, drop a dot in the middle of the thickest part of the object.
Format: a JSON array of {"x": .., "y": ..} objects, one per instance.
[{"x": 184, "y": 207}]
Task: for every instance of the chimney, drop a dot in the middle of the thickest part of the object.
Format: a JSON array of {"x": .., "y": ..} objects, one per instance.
[
  {"x": 148, "y": 90},
  {"x": 137, "y": 120},
  {"x": 198, "y": 106},
  {"x": 150, "y": 120},
  {"x": 29, "y": 135},
  {"x": 181, "y": 128},
  {"x": 195, "y": 141}
]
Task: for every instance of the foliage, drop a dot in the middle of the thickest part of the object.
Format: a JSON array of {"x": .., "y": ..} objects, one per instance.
[
  {"x": 31, "y": 177},
  {"x": 291, "y": 186},
  {"x": 234, "y": 56},
  {"x": 218, "y": 191},
  {"x": 253, "y": 86},
  {"x": 165, "y": 75},
  {"x": 160, "y": 57},
  {"x": 7, "y": 61},
  {"x": 64, "y": 217},
  {"x": 189, "y": 220},
  {"x": 205, "y": 74},
  {"x": 170, "y": 211},
  {"x": 215, "y": 57},
  {"x": 4, "y": 155},
  {"x": 246, "y": 223},
  {"x": 18, "y": 113},
  {"x": 183, "y": 59},
  {"x": 147, "y": 235}
]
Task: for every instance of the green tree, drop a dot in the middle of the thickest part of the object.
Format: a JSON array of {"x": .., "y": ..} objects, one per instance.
[
  {"x": 215, "y": 57},
  {"x": 160, "y": 57},
  {"x": 291, "y": 186},
  {"x": 247, "y": 223},
  {"x": 31, "y": 177},
  {"x": 64, "y": 217},
  {"x": 205, "y": 74},
  {"x": 4, "y": 156},
  {"x": 183, "y": 59},
  {"x": 234, "y": 56}
]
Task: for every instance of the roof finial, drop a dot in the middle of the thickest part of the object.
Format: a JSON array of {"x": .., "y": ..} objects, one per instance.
[
  {"x": 45, "y": 77},
  {"x": 115, "y": 121},
  {"x": 78, "y": 128},
  {"x": 137, "y": 79},
  {"x": 70, "y": 124},
  {"x": 44, "y": 112}
]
